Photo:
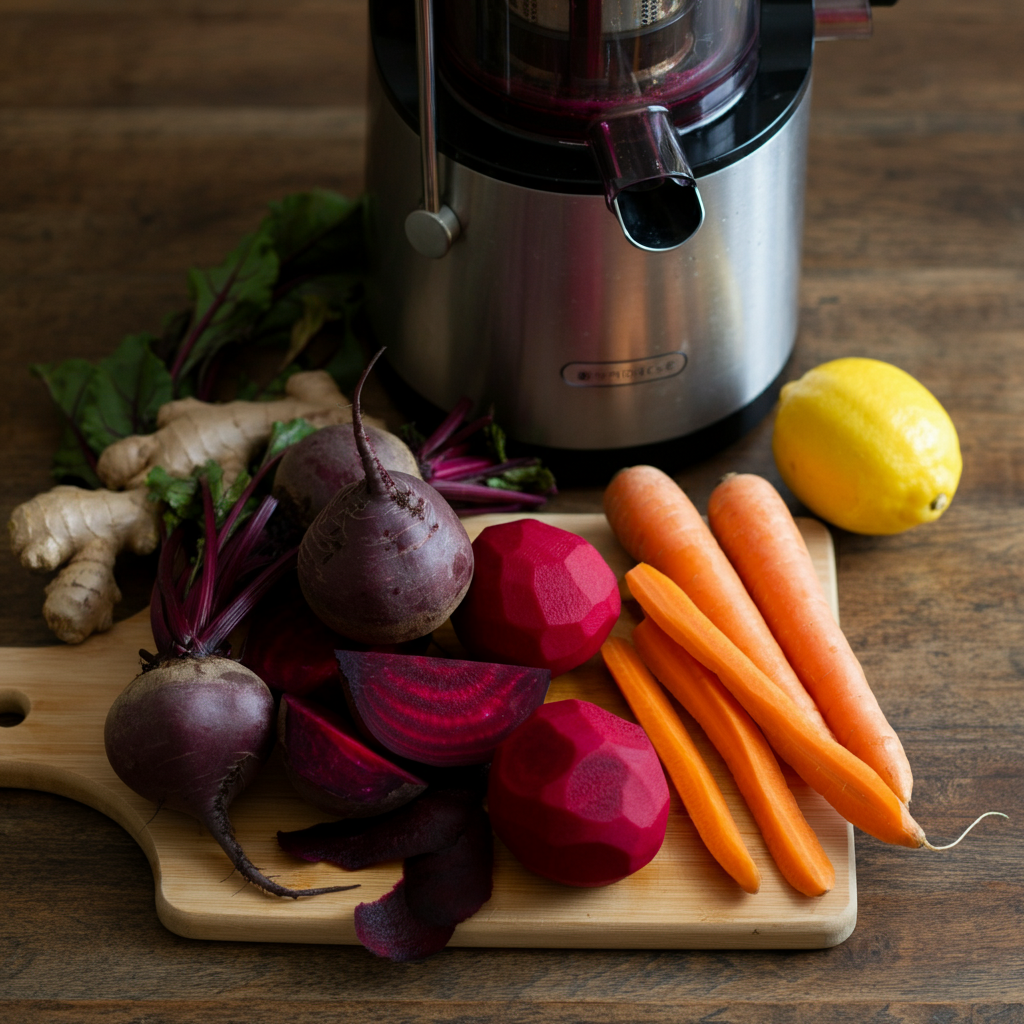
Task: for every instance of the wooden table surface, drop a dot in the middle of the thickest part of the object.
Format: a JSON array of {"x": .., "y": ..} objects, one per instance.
[{"x": 140, "y": 137}]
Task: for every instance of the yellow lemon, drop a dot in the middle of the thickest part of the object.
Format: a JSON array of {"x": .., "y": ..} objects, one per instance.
[{"x": 867, "y": 447}]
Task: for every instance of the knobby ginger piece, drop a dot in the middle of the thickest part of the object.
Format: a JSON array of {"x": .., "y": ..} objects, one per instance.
[
  {"x": 189, "y": 432},
  {"x": 89, "y": 528}
]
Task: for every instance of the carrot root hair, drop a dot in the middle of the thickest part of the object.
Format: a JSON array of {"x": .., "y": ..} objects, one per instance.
[{"x": 949, "y": 846}]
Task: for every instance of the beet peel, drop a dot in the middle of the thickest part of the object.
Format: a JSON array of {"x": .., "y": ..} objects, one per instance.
[
  {"x": 389, "y": 928},
  {"x": 442, "y": 712},
  {"x": 333, "y": 770},
  {"x": 540, "y": 596},
  {"x": 432, "y": 822},
  {"x": 578, "y": 795},
  {"x": 387, "y": 559}
]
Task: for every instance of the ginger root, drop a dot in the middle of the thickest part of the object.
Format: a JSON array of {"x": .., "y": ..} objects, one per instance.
[
  {"x": 190, "y": 432},
  {"x": 89, "y": 528}
]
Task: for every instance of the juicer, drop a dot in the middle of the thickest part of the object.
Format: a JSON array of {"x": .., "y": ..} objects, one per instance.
[{"x": 586, "y": 215}]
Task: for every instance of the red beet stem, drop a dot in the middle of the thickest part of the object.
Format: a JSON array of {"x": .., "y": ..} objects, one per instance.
[
  {"x": 448, "y": 427},
  {"x": 453, "y": 490},
  {"x": 201, "y": 606},
  {"x": 378, "y": 481}
]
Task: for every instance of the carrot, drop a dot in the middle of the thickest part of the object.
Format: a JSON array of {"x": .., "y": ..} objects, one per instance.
[
  {"x": 790, "y": 839},
  {"x": 843, "y": 779},
  {"x": 658, "y": 524},
  {"x": 693, "y": 780},
  {"x": 757, "y": 531}
]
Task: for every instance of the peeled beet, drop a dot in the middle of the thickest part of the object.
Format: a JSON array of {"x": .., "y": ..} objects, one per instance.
[
  {"x": 439, "y": 711},
  {"x": 540, "y": 596},
  {"x": 314, "y": 470},
  {"x": 578, "y": 795},
  {"x": 334, "y": 771}
]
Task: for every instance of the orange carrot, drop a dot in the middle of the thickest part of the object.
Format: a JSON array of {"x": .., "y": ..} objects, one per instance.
[
  {"x": 790, "y": 839},
  {"x": 693, "y": 780},
  {"x": 658, "y": 524},
  {"x": 843, "y": 779},
  {"x": 757, "y": 531}
]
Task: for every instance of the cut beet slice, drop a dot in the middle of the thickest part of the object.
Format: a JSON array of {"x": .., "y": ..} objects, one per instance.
[
  {"x": 333, "y": 770},
  {"x": 438, "y": 710},
  {"x": 434, "y": 821},
  {"x": 388, "y": 928},
  {"x": 449, "y": 885}
]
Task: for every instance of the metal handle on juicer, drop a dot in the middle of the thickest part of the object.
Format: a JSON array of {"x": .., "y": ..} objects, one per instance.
[{"x": 432, "y": 229}]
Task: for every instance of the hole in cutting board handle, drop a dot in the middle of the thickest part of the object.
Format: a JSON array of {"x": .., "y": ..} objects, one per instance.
[{"x": 14, "y": 708}]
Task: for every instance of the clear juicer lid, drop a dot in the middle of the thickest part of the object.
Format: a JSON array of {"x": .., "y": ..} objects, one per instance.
[{"x": 552, "y": 67}]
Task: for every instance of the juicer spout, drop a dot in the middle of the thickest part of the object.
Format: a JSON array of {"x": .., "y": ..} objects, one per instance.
[{"x": 648, "y": 184}]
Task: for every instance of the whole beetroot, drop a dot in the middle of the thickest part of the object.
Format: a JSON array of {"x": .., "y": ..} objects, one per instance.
[
  {"x": 387, "y": 559},
  {"x": 314, "y": 470},
  {"x": 578, "y": 795}
]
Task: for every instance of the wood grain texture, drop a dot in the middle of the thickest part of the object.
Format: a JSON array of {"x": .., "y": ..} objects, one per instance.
[
  {"x": 682, "y": 899},
  {"x": 930, "y": 112}
]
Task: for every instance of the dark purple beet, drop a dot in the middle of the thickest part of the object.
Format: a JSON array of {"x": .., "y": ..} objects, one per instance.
[
  {"x": 387, "y": 560},
  {"x": 314, "y": 470},
  {"x": 190, "y": 735},
  {"x": 439, "y": 711},
  {"x": 432, "y": 822},
  {"x": 334, "y": 771},
  {"x": 388, "y": 928}
]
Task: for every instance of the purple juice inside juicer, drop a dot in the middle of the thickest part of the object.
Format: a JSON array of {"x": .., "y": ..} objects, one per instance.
[{"x": 622, "y": 76}]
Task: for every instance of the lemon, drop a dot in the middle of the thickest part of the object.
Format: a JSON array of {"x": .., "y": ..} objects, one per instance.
[{"x": 866, "y": 446}]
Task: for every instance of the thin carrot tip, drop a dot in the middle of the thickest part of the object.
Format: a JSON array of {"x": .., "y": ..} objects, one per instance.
[{"x": 949, "y": 846}]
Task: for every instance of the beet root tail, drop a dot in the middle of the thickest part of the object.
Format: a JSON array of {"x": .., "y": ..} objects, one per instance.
[{"x": 220, "y": 828}]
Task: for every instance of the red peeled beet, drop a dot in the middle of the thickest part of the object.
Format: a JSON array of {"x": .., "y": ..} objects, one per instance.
[
  {"x": 578, "y": 795},
  {"x": 439, "y": 711},
  {"x": 540, "y": 596},
  {"x": 334, "y": 771}
]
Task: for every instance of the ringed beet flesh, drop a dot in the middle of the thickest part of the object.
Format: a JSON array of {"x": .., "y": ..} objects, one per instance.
[
  {"x": 387, "y": 560},
  {"x": 191, "y": 731}
]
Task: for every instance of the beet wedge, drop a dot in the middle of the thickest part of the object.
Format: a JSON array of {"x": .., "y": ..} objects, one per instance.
[
  {"x": 333, "y": 770},
  {"x": 439, "y": 711}
]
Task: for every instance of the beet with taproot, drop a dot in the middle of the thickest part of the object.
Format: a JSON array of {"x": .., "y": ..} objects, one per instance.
[
  {"x": 540, "y": 596},
  {"x": 578, "y": 795},
  {"x": 387, "y": 559}
]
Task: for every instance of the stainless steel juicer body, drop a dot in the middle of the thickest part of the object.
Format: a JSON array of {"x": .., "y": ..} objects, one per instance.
[{"x": 543, "y": 308}]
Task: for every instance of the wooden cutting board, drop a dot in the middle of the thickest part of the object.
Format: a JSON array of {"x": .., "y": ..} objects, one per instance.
[{"x": 682, "y": 899}]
